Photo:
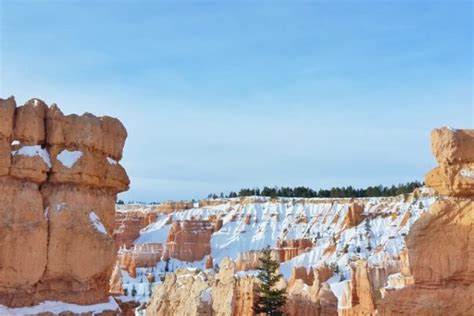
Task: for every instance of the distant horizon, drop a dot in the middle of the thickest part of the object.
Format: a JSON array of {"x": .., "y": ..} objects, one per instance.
[
  {"x": 226, "y": 194},
  {"x": 222, "y": 96}
]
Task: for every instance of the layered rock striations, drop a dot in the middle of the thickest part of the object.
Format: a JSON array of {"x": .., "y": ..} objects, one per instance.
[
  {"x": 59, "y": 177},
  {"x": 129, "y": 223},
  {"x": 189, "y": 240}
]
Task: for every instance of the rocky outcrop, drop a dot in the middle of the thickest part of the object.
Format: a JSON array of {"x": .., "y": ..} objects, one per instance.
[
  {"x": 309, "y": 294},
  {"x": 129, "y": 223},
  {"x": 289, "y": 249},
  {"x": 185, "y": 292},
  {"x": 440, "y": 244},
  {"x": 193, "y": 292},
  {"x": 141, "y": 255},
  {"x": 454, "y": 151},
  {"x": 354, "y": 215},
  {"x": 172, "y": 207},
  {"x": 59, "y": 176},
  {"x": 189, "y": 240},
  {"x": 249, "y": 260}
]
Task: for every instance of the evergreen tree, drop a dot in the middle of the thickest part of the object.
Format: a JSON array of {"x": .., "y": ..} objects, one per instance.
[
  {"x": 269, "y": 300},
  {"x": 134, "y": 291}
]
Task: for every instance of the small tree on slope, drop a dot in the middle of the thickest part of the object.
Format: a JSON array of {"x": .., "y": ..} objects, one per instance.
[{"x": 269, "y": 300}]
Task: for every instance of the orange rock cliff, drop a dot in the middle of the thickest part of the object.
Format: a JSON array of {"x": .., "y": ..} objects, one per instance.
[{"x": 59, "y": 177}]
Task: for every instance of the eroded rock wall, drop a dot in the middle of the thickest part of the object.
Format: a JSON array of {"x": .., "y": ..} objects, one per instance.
[
  {"x": 59, "y": 176},
  {"x": 189, "y": 240}
]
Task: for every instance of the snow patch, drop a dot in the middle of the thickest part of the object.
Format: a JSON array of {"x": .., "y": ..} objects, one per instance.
[
  {"x": 111, "y": 161},
  {"x": 15, "y": 142},
  {"x": 59, "y": 207},
  {"x": 95, "y": 221},
  {"x": 206, "y": 295},
  {"x": 467, "y": 173},
  {"x": 69, "y": 158},
  {"x": 57, "y": 307},
  {"x": 32, "y": 151}
]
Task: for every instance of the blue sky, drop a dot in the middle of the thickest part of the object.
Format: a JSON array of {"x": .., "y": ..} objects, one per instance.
[{"x": 217, "y": 96}]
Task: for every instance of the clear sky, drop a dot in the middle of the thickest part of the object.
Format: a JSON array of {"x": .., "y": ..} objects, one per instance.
[{"x": 222, "y": 95}]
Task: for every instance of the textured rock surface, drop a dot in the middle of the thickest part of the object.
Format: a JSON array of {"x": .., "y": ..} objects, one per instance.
[
  {"x": 171, "y": 207},
  {"x": 144, "y": 255},
  {"x": 189, "y": 240},
  {"x": 453, "y": 146},
  {"x": 288, "y": 249},
  {"x": 441, "y": 244},
  {"x": 129, "y": 223},
  {"x": 249, "y": 260},
  {"x": 58, "y": 183}
]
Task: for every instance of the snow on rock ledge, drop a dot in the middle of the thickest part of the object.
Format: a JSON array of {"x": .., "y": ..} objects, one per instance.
[
  {"x": 57, "y": 308},
  {"x": 69, "y": 158}
]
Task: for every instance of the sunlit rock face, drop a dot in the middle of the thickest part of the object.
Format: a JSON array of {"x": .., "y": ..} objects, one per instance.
[
  {"x": 59, "y": 177},
  {"x": 440, "y": 244}
]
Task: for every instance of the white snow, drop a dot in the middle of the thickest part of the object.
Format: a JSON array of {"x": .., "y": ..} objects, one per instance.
[
  {"x": 206, "y": 295},
  {"x": 15, "y": 142},
  {"x": 32, "y": 151},
  {"x": 69, "y": 158},
  {"x": 56, "y": 307},
  {"x": 378, "y": 242},
  {"x": 111, "y": 161},
  {"x": 58, "y": 207},
  {"x": 468, "y": 173},
  {"x": 46, "y": 211},
  {"x": 95, "y": 221}
]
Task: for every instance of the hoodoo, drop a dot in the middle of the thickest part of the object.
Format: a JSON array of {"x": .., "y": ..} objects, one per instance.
[
  {"x": 441, "y": 244},
  {"x": 59, "y": 177}
]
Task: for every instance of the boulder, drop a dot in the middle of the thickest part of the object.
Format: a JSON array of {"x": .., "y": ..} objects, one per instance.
[{"x": 451, "y": 146}]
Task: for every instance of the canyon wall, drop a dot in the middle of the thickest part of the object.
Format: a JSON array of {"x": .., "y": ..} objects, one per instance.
[{"x": 59, "y": 177}]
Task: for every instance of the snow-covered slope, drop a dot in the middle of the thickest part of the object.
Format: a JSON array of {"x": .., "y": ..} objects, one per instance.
[{"x": 251, "y": 224}]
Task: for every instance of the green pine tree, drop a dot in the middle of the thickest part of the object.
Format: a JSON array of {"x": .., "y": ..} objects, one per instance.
[{"x": 269, "y": 300}]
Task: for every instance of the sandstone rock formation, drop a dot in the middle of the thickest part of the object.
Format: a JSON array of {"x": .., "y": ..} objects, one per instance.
[
  {"x": 289, "y": 249},
  {"x": 189, "y": 240},
  {"x": 454, "y": 151},
  {"x": 129, "y": 223},
  {"x": 249, "y": 260},
  {"x": 142, "y": 255},
  {"x": 440, "y": 244},
  {"x": 59, "y": 176},
  {"x": 192, "y": 292},
  {"x": 171, "y": 207}
]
